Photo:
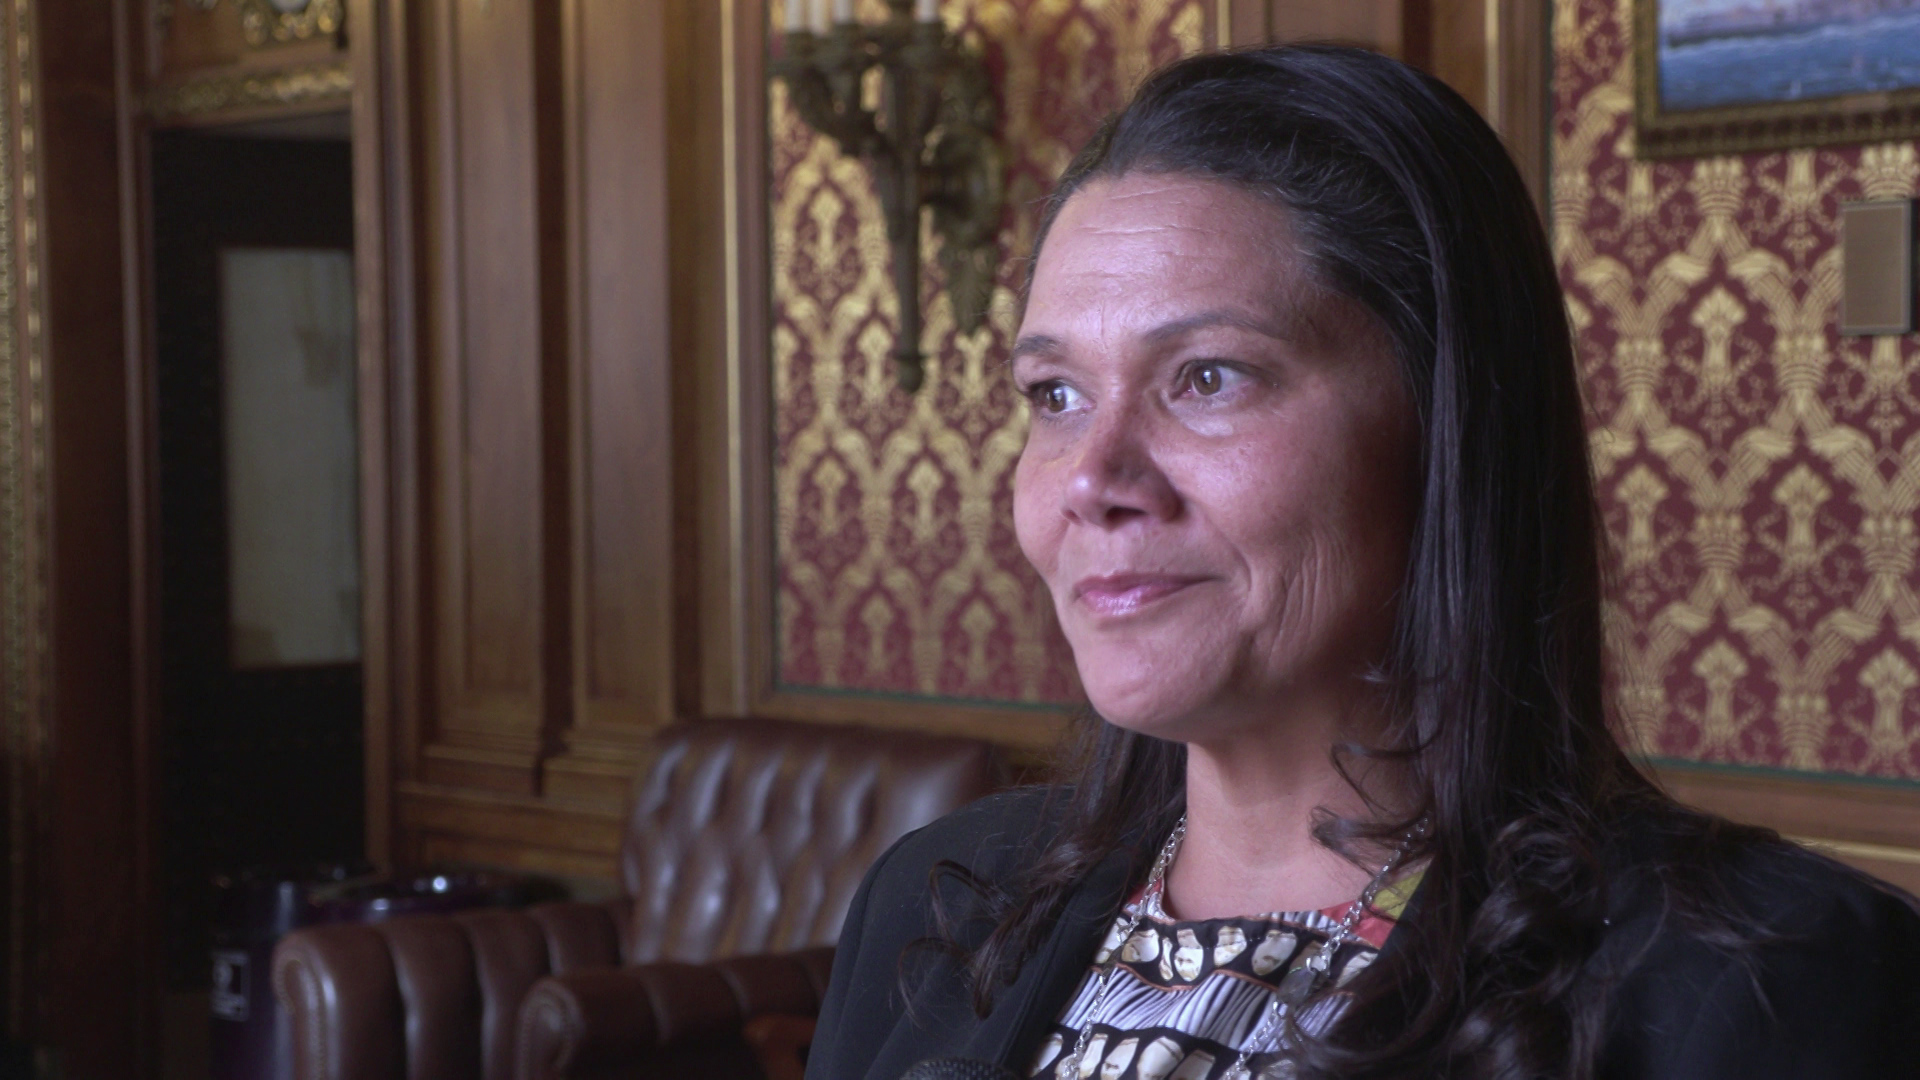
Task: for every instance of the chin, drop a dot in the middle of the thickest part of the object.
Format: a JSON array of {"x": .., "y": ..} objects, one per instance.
[
  {"x": 1146, "y": 678},
  {"x": 1149, "y": 701}
]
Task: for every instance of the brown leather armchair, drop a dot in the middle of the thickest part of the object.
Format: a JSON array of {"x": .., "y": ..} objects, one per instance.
[
  {"x": 745, "y": 1017},
  {"x": 747, "y": 839}
]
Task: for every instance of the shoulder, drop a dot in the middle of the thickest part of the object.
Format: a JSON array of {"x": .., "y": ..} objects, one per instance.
[
  {"x": 987, "y": 840},
  {"x": 1814, "y": 974},
  {"x": 993, "y": 827},
  {"x": 895, "y": 915},
  {"x": 1778, "y": 888}
]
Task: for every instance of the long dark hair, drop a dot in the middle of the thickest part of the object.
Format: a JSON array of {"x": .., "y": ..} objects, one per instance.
[{"x": 1405, "y": 201}]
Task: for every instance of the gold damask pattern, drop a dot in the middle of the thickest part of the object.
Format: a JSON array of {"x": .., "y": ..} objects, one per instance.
[
  {"x": 898, "y": 570},
  {"x": 1760, "y": 474}
]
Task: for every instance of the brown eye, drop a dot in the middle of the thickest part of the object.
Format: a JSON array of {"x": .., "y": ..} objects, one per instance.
[
  {"x": 1053, "y": 397},
  {"x": 1205, "y": 379}
]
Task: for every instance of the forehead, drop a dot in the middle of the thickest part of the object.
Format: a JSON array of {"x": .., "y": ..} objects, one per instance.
[{"x": 1168, "y": 241}]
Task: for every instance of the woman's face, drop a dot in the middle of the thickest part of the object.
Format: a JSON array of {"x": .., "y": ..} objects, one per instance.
[{"x": 1216, "y": 484}]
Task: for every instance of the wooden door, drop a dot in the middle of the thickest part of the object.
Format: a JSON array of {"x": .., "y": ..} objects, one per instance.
[{"x": 260, "y": 710}]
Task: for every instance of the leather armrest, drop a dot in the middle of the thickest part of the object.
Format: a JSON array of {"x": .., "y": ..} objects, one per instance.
[
  {"x": 598, "y": 1023},
  {"x": 781, "y": 1043},
  {"x": 337, "y": 986},
  {"x": 428, "y": 995},
  {"x": 583, "y": 935}
]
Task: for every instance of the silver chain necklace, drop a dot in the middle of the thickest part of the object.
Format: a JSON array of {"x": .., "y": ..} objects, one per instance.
[{"x": 1295, "y": 989}]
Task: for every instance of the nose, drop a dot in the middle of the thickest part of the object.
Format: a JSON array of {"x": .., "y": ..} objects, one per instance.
[{"x": 1115, "y": 479}]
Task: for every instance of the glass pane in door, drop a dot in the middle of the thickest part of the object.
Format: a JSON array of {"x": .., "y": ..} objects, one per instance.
[{"x": 291, "y": 461}]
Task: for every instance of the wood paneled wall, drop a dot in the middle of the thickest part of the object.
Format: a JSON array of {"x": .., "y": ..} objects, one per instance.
[
  {"x": 73, "y": 756},
  {"x": 528, "y": 618},
  {"x": 491, "y": 379},
  {"x": 620, "y": 404}
]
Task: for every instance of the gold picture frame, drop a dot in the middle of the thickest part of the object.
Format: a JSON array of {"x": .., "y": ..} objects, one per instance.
[{"x": 1663, "y": 130}]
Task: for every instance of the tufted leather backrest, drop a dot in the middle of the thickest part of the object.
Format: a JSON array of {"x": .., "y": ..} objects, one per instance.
[
  {"x": 750, "y": 836},
  {"x": 746, "y": 837}
]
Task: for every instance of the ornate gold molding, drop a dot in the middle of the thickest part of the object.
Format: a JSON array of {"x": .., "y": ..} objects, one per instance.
[
  {"x": 23, "y": 519},
  {"x": 265, "y": 24},
  {"x": 262, "y": 22},
  {"x": 316, "y": 85}
]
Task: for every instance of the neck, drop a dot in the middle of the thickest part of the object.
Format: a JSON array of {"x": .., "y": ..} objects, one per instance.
[{"x": 1252, "y": 802}]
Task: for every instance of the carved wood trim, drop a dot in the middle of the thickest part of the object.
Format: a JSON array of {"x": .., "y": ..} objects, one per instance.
[
  {"x": 25, "y": 541},
  {"x": 488, "y": 493},
  {"x": 1030, "y": 728},
  {"x": 545, "y": 835},
  {"x": 1519, "y": 87},
  {"x": 77, "y": 768},
  {"x": 1872, "y": 825},
  {"x": 230, "y": 96},
  {"x": 620, "y": 373},
  {"x": 384, "y": 306},
  {"x": 1497, "y": 55},
  {"x": 734, "y": 396},
  {"x": 699, "y": 254},
  {"x": 1240, "y": 23}
]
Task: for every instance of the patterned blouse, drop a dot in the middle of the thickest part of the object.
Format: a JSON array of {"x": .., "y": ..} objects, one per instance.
[{"x": 1189, "y": 994}]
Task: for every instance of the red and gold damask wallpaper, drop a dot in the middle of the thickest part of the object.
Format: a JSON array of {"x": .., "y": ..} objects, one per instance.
[
  {"x": 897, "y": 567},
  {"x": 1760, "y": 474}
]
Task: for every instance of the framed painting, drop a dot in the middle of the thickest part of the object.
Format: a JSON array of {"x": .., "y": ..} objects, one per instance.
[{"x": 1726, "y": 76}]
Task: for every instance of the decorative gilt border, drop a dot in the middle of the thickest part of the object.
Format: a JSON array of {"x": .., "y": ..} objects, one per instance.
[
  {"x": 265, "y": 24},
  {"x": 1856, "y": 118},
  {"x": 309, "y": 88},
  {"x": 23, "y": 514}
]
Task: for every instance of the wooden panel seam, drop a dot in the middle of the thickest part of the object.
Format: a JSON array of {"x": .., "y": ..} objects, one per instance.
[
  {"x": 617, "y": 241},
  {"x": 491, "y": 733},
  {"x": 1853, "y": 820},
  {"x": 544, "y": 822}
]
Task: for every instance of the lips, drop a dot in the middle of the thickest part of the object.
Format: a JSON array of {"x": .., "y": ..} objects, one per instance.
[{"x": 1115, "y": 595}]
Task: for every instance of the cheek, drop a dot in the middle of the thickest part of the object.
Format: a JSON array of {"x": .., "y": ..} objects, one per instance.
[
  {"x": 1254, "y": 493},
  {"x": 1312, "y": 508},
  {"x": 1036, "y": 518}
]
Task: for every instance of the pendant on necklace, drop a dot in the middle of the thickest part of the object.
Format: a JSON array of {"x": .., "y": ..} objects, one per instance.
[{"x": 1302, "y": 982}]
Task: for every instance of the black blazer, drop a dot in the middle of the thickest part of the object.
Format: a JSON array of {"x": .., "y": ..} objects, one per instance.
[{"x": 1838, "y": 996}]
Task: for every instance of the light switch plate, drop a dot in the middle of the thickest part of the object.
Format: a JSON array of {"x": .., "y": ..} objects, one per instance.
[{"x": 1876, "y": 267}]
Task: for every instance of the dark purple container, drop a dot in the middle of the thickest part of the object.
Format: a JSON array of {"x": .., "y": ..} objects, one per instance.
[
  {"x": 255, "y": 909},
  {"x": 425, "y": 892},
  {"x": 252, "y": 1039}
]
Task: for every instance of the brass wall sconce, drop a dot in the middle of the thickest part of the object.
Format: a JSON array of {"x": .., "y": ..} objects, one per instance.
[{"x": 928, "y": 141}]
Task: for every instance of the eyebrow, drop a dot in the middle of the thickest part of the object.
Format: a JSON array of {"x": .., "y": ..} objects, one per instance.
[
  {"x": 1219, "y": 317},
  {"x": 1043, "y": 344},
  {"x": 1033, "y": 345}
]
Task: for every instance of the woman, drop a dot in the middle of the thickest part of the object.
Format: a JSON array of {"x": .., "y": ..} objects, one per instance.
[{"x": 1307, "y": 480}]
